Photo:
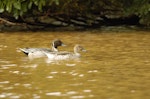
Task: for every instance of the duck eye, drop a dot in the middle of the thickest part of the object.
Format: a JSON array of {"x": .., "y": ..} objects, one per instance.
[{"x": 81, "y": 48}]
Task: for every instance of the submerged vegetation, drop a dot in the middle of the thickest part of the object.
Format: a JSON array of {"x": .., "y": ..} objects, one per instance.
[{"x": 82, "y": 13}]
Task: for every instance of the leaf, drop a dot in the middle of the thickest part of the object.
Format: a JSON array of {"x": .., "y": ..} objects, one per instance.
[
  {"x": 9, "y": 6},
  {"x": 30, "y": 4},
  {"x": 1, "y": 10},
  {"x": 17, "y": 5},
  {"x": 16, "y": 13},
  {"x": 57, "y": 2},
  {"x": 24, "y": 7},
  {"x": 41, "y": 4},
  {"x": 21, "y": 13},
  {"x": 40, "y": 7},
  {"x": 35, "y": 2},
  {"x": 1, "y": 7}
]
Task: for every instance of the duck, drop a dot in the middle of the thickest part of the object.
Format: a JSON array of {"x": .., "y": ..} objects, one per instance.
[
  {"x": 39, "y": 52},
  {"x": 64, "y": 55}
]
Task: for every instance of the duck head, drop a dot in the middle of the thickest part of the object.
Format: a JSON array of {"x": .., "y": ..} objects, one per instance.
[
  {"x": 78, "y": 48},
  {"x": 57, "y": 43}
]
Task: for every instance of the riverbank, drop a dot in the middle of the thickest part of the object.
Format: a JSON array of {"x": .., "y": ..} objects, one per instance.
[{"x": 15, "y": 28}]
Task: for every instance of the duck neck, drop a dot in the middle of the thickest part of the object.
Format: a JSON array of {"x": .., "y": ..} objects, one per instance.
[
  {"x": 76, "y": 52},
  {"x": 54, "y": 48}
]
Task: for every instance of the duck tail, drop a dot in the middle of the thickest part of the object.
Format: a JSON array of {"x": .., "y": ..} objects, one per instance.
[{"x": 24, "y": 51}]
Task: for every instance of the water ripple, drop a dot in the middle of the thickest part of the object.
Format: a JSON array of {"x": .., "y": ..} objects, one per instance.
[
  {"x": 49, "y": 77},
  {"x": 2, "y": 47},
  {"x": 71, "y": 92},
  {"x": 70, "y": 64},
  {"x": 92, "y": 71},
  {"x": 27, "y": 85},
  {"x": 30, "y": 66},
  {"x": 77, "y": 97},
  {"x": 4, "y": 61},
  {"x": 8, "y": 88},
  {"x": 87, "y": 90},
  {"x": 10, "y": 95},
  {"x": 4, "y": 82},
  {"x": 54, "y": 94},
  {"x": 7, "y": 66},
  {"x": 35, "y": 96}
]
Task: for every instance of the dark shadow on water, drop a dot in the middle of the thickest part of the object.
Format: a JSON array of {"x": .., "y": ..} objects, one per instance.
[{"x": 113, "y": 28}]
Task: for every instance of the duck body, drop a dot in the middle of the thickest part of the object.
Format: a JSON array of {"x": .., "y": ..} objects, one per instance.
[
  {"x": 61, "y": 55},
  {"x": 32, "y": 50},
  {"x": 35, "y": 52},
  {"x": 65, "y": 55},
  {"x": 40, "y": 52}
]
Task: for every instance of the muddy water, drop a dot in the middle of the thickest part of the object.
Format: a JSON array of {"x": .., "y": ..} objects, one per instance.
[{"x": 115, "y": 66}]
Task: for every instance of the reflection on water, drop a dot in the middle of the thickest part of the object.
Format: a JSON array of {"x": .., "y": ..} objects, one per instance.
[{"x": 115, "y": 66}]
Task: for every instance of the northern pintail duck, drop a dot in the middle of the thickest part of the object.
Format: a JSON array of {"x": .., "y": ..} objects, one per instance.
[
  {"x": 66, "y": 55},
  {"x": 39, "y": 52}
]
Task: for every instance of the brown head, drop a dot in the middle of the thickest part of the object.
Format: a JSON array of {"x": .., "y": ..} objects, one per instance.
[
  {"x": 57, "y": 43},
  {"x": 78, "y": 48}
]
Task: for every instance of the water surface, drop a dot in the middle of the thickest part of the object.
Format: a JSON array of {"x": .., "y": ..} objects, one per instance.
[{"x": 115, "y": 66}]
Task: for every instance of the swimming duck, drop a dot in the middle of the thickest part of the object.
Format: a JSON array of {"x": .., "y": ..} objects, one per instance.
[
  {"x": 66, "y": 55},
  {"x": 39, "y": 52}
]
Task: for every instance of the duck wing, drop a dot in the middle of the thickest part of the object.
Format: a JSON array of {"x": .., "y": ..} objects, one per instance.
[
  {"x": 32, "y": 50},
  {"x": 63, "y": 53}
]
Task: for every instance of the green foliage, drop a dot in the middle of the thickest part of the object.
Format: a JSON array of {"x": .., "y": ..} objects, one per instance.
[
  {"x": 91, "y": 9},
  {"x": 1, "y": 7},
  {"x": 140, "y": 8},
  {"x": 20, "y": 7}
]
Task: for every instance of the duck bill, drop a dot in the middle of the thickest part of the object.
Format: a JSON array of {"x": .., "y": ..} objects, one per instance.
[
  {"x": 63, "y": 45},
  {"x": 84, "y": 50}
]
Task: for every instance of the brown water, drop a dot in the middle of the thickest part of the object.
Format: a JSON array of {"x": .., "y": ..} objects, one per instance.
[{"x": 115, "y": 66}]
